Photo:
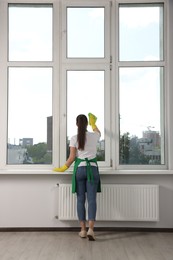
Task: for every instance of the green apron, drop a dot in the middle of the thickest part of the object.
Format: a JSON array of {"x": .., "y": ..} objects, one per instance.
[{"x": 90, "y": 176}]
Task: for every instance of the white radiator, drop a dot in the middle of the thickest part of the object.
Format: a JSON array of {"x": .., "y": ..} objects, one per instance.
[{"x": 115, "y": 203}]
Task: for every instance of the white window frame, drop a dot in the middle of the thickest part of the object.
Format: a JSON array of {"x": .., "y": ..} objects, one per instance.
[
  {"x": 84, "y": 3},
  {"x": 118, "y": 64},
  {"x": 61, "y": 65},
  {"x": 5, "y": 64},
  {"x": 63, "y": 105},
  {"x": 92, "y": 64}
]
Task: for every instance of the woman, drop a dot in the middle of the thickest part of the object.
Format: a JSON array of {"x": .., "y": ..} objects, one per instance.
[{"x": 86, "y": 179}]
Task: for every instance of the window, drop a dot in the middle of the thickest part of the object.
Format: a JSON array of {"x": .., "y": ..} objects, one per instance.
[
  {"x": 141, "y": 116},
  {"x": 141, "y": 32},
  {"x": 141, "y": 86},
  {"x": 86, "y": 70},
  {"x": 29, "y": 86},
  {"x": 29, "y": 113},
  {"x": 61, "y": 58},
  {"x": 85, "y": 32},
  {"x": 30, "y": 38},
  {"x": 86, "y": 89}
]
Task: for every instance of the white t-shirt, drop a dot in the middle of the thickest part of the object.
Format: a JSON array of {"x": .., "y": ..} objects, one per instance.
[{"x": 90, "y": 148}]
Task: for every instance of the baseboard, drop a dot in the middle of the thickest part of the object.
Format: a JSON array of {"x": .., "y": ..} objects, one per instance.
[{"x": 76, "y": 229}]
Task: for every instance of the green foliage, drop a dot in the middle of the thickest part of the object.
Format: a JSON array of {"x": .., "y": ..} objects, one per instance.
[
  {"x": 136, "y": 156},
  {"x": 124, "y": 148},
  {"x": 39, "y": 153},
  {"x": 101, "y": 155},
  {"x": 130, "y": 151}
]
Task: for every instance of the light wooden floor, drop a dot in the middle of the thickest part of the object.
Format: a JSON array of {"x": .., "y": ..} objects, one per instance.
[{"x": 68, "y": 246}]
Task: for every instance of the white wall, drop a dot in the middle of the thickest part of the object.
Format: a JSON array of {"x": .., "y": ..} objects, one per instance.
[{"x": 31, "y": 200}]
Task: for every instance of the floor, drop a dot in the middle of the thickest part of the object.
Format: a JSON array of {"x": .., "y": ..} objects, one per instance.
[{"x": 69, "y": 246}]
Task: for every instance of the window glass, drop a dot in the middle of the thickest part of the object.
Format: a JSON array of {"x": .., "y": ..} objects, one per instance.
[
  {"x": 29, "y": 116},
  {"x": 30, "y": 32},
  {"x": 141, "y": 115},
  {"x": 85, "y": 32},
  {"x": 141, "y": 32},
  {"x": 85, "y": 93}
]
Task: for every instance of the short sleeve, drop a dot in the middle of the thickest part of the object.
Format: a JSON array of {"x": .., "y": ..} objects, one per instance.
[{"x": 73, "y": 141}]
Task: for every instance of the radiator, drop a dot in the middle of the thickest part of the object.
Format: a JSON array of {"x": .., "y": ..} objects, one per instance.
[{"x": 115, "y": 203}]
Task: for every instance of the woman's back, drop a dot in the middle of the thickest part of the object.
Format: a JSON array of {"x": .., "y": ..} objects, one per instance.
[{"x": 90, "y": 148}]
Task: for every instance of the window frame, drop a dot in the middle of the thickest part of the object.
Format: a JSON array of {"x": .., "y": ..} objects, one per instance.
[
  {"x": 86, "y": 64},
  {"x": 84, "y": 3},
  {"x": 63, "y": 108},
  {"x": 5, "y": 64},
  {"x": 120, "y": 64},
  {"x": 60, "y": 65}
]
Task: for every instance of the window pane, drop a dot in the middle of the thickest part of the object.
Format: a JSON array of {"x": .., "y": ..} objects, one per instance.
[
  {"x": 85, "y": 32},
  {"x": 85, "y": 93},
  {"x": 30, "y": 116},
  {"x": 141, "y": 116},
  {"x": 30, "y": 32},
  {"x": 141, "y": 32}
]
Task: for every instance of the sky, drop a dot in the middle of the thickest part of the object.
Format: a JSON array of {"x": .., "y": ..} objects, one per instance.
[
  {"x": 85, "y": 94},
  {"x": 30, "y": 90}
]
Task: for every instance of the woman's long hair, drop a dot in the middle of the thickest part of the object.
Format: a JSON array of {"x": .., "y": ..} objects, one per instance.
[{"x": 82, "y": 123}]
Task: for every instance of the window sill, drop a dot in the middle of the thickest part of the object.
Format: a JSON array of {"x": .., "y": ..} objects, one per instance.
[{"x": 103, "y": 171}]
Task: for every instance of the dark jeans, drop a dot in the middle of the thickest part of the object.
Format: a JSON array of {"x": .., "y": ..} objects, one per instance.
[{"x": 89, "y": 188}]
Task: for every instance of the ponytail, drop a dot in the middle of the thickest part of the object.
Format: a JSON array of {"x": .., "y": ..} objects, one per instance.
[{"x": 82, "y": 123}]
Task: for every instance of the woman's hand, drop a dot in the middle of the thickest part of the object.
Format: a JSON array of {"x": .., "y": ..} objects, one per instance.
[
  {"x": 92, "y": 120},
  {"x": 60, "y": 169}
]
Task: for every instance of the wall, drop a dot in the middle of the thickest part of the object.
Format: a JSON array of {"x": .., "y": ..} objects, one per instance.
[{"x": 31, "y": 200}]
